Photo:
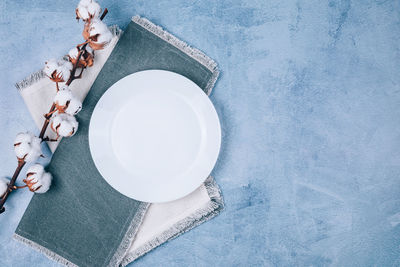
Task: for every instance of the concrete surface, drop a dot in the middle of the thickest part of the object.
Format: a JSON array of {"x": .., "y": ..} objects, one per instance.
[{"x": 309, "y": 100}]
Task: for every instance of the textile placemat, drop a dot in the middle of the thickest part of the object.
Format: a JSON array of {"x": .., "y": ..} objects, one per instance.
[{"x": 79, "y": 206}]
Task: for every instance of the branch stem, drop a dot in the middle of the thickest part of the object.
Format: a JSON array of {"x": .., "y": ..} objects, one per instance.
[
  {"x": 21, "y": 164},
  {"x": 104, "y": 14},
  {"x": 20, "y": 187},
  {"x": 47, "y": 121}
]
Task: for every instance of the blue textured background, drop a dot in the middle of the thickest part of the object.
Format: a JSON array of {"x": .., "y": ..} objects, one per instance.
[{"x": 309, "y": 103}]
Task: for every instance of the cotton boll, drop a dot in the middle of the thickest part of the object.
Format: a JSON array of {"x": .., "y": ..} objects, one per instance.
[
  {"x": 82, "y": 12},
  {"x": 97, "y": 33},
  {"x": 50, "y": 66},
  {"x": 58, "y": 71},
  {"x": 64, "y": 125},
  {"x": 85, "y": 60},
  {"x": 3, "y": 185},
  {"x": 100, "y": 29},
  {"x": 87, "y": 9},
  {"x": 45, "y": 183},
  {"x": 63, "y": 71},
  {"x": 27, "y": 147},
  {"x": 63, "y": 96},
  {"x": 33, "y": 175},
  {"x": 37, "y": 179},
  {"x": 66, "y": 102},
  {"x": 102, "y": 40},
  {"x": 22, "y": 150}
]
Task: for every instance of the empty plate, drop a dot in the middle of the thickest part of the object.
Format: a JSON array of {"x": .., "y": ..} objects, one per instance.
[{"x": 154, "y": 136}]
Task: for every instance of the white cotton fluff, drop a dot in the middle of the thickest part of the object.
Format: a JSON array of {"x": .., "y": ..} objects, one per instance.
[
  {"x": 104, "y": 35},
  {"x": 88, "y": 9},
  {"x": 50, "y": 66},
  {"x": 35, "y": 169},
  {"x": 74, "y": 106},
  {"x": 64, "y": 124},
  {"x": 62, "y": 69},
  {"x": 64, "y": 98},
  {"x": 27, "y": 147},
  {"x": 3, "y": 185},
  {"x": 64, "y": 87},
  {"x": 65, "y": 68},
  {"x": 37, "y": 179},
  {"x": 73, "y": 53}
]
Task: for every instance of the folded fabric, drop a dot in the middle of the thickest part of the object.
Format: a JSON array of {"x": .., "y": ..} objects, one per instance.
[{"x": 82, "y": 220}]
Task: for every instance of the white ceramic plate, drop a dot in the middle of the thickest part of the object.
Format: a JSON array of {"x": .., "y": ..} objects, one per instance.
[{"x": 154, "y": 136}]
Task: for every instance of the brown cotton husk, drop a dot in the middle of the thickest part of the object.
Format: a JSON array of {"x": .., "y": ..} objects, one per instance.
[
  {"x": 89, "y": 60},
  {"x": 55, "y": 128},
  {"x": 94, "y": 44},
  {"x": 56, "y": 77},
  {"x": 86, "y": 60},
  {"x": 30, "y": 183},
  {"x": 86, "y": 29},
  {"x": 61, "y": 108},
  {"x": 97, "y": 46},
  {"x": 78, "y": 16}
]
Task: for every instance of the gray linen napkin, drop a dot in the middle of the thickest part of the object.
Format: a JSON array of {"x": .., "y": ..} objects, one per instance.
[{"x": 83, "y": 221}]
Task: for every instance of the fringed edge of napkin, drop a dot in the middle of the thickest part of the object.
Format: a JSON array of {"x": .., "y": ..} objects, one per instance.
[
  {"x": 38, "y": 75},
  {"x": 48, "y": 253},
  {"x": 118, "y": 255},
  {"x": 209, "y": 211},
  {"x": 126, "y": 243},
  {"x": 195, "y": 53}
]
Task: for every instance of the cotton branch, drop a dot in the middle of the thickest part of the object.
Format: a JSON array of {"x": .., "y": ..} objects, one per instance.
[{"x": 56, "y": 78}]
